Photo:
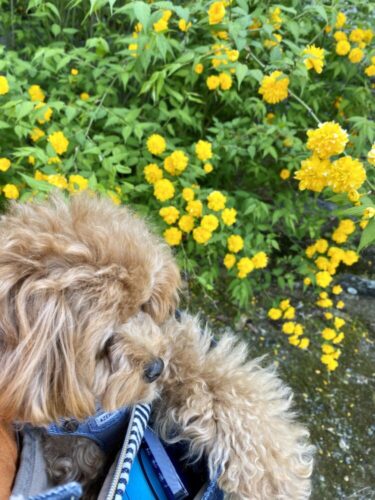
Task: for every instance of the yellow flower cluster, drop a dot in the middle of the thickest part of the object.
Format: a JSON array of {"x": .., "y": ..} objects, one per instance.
[
  {"x": 59, "y": 142},
  {"x": 184, "y": 25},
  {"x": 11, "y": 191},
  {"x": 295, "y": 330},
  {"x": 169, "y": 214},
  {"x": 224, "y": 81},
  {"x": 36, "y": 93},
  {"x": 46, "y": 115},
  {"x": 370, "y": 70},
  {"x": 216, "y": 201},
  {"x": 163, "y": 190},
  {"x": 359, "y": 36},
  {"x": 203, "y": 150},
  {"x": 152, "y": 173},
  {"x": 344, "y": 229},
  {"x": 173, "y": 236},
  {"x": 36, "y": 134},
  {"x": 274, "y": 88},
  {"x": 4, "y": 164},
  {"x": 344, "y": 175}
]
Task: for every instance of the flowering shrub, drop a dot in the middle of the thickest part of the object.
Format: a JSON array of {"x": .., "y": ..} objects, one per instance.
[{"x": 228, "y": 123}]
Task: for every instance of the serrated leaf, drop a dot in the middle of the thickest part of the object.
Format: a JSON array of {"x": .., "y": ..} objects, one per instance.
[
  {"x": 241, "y": 72},
  {"x": 256, "y": 73},
  {"x": 142, "y": 12}
]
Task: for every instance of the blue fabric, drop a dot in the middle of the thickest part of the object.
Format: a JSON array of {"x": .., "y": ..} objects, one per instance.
[
  {"x": 107, "y": 429},
  {"x": 70, "y": 491},
  {"x": 143, "y": 483}
]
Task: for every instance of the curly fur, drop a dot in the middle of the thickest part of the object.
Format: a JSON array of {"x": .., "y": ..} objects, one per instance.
[{"x": 87, "y": 295}]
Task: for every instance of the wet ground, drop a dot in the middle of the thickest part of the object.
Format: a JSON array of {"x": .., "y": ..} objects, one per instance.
[{"x": 338, "y": 407}]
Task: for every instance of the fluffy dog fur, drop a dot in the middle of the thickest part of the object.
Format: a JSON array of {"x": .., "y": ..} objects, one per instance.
[{"x": 87, "y": 296}]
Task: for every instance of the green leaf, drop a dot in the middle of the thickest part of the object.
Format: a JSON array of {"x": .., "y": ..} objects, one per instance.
[
  {"x": 24, "y": 109},
  {"x": 142, "y": 12},
  {"x": 256, "y": 73},
  {"x": 368, "y": 235},
  {"x": 241, "y": 72},
  {"x": 38, "y": 185}
]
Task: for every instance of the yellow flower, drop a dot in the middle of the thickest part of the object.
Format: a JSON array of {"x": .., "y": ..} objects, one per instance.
[
  {"x": 328, "y": 334},
  {"x": 314, "y": 58},
  {"x": 225, "y": 81},
  {"x": 356, "y": 35},
  {"x": 11, "y": 191},
  {"x": 59, "y": 142},
  {"x": 337, "y": 290},
  {"x": 339, "y": 338},
  {"x": 323, "y": 278},
  {"x": 216, "y": 12},
  {"x": 133, "y": 47},
  {"x": 350, "y": 257},
  {"x": 229, "y": 260},
  {"x": 77, "y": 183},
  {"x": 322, "y": 263},
  {"x": 210, "y": 222},
  {"x": 328, "y": 349},
  {"x": 356, "y": 55},
  {"x": 31, "y": 160},
  {"x": 186, "y": 223},
  {"x": 198, "y": 68},
  {"x": 223, "y": 35},
  {"x": 172, "y": 236},
  {"x": 339, "y": 322},
  {"x": 233, "y": 55},
  {"x": 4, "y": 85},
  {"x": 294, "y": 340},
  {"x": 216, "y": 201},
  {"x": 289, "y": 313},
  {"x": 46, "y": 115},
  {"x": 39, "y": 176},
  {"x": 327, "y": 140},
  {"x": 203, "y": 150},
  {"x": 284, "y": 174},
  {"x": 201, "y": 235},
  {"x": 340, "y": 20},
  {"x": 276, "y": 18},
  {"x": 347, "y": 174},
  {"x": 276, "y": 40},
  {"x": 213, "y": 82},
  {"x": 340, "y": 304},
  {"x": 188, "y": 194},
  {"x": 36, "y": 134},
  {"x": 74, "y": 72},
  {"x": 370, "y": 70},
  {"x": 321, "y": 245},
  {"x": 339, "y": 36},
  {"x": 304, "y": 344},
  {"x": 169, "y": 214},
  {"x": 368, "y": 36},
  {"x": 369, "y": 213},
  {"x": 342, "y": 47},
  {"x": 307, "y": 281},
  {"x": 371, "y": 155},
  {"x": 288, "y": 327},
  {"x": 156, "y": 144},
  {"x": 152, "y": 173},
  {"x": 163, "y": 190},
  {"x": 274, "y": 313},
  {"x": 57, "y": 180},
  {"x": 298, "y": 329},
  {"x": 138, "y": 27},
  {"x": 260, "y": 260},
  {"x": 274, "y": 88},
  {"x": 53, "y": 160},
  {"x": 228, "y": 216},
  {"x": 314, "y": 174},
  {"x": 235, "y": 243},
  {"x": 183, "y": 25},
  {"x": 36, "y": 93},
  {"x": 284, "y": 304},
  {"x": 176, "y": 163},
  {"x": 4, "y": 164},
  {"x": 161, "y": 25},
  {"x": 84, "y": 96},
  {"x": 207, "y": 167},
  {"x": 245, "y": 266},
  {"x": 114, "y": 197},
  {"x": 194, "y": 208}
]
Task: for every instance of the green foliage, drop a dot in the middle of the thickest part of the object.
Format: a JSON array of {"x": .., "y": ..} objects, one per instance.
[{"x": 131, "y": 85}]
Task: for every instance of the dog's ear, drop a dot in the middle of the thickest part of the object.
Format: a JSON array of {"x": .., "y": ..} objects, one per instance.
[{"x": 165, "y": 287}]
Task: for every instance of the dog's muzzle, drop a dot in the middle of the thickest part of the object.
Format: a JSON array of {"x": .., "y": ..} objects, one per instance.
[{"x": 153, "y": 370}]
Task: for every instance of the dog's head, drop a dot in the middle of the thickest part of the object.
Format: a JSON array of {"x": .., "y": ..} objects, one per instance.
[{"x": 84, "y": 285}]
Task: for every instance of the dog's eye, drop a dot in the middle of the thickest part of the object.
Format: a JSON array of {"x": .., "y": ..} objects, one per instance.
[
  {"x": 145, "y": 306},
  {"x": 104, "y": 353}
]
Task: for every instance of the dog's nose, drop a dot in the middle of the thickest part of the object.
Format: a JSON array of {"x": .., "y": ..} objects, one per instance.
[{"x": 153, "y": 369}]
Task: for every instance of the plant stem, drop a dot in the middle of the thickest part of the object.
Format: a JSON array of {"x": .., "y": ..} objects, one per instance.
[{"x": 307, "y": 107}]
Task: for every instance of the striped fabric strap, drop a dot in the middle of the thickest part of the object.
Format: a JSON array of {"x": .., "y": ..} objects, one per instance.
[{"x": 131, "y": 445}]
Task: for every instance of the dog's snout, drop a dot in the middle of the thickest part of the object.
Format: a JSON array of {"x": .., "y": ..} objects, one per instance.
[{"x": 153, "y": 369}]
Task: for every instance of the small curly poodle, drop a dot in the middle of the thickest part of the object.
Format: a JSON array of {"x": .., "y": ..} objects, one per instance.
[{"x": 87, "y": 301}]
